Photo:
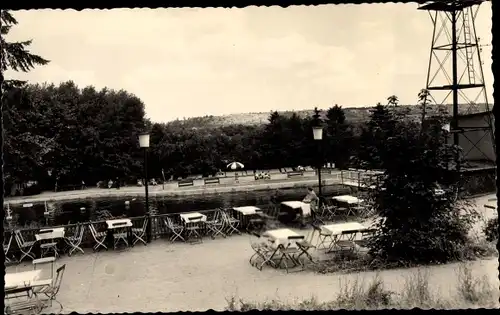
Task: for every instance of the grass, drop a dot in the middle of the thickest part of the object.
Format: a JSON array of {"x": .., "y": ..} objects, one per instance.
[{"x": 416, "y": 293}]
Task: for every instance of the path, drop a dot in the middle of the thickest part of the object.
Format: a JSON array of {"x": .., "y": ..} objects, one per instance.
[{"x": 171, "y": 189}]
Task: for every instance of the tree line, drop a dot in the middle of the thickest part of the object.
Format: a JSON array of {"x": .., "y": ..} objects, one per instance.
[{"x": 67, "y": 135}]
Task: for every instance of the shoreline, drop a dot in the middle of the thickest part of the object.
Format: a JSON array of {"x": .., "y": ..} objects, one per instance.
[{"x": 172, "y": 191}]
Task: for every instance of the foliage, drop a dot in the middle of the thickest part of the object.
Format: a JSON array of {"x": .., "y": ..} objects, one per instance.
[
  {"x": 415, "y": 293},
  {"x": 61, "y": 133},
  {"x": 416, "y": 224},
  {"x": 15, "y": 55},
  {"x": 491, "y": 230}
]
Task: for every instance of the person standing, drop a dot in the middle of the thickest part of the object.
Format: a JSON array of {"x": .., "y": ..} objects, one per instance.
[{"x": 312, "y": 199}]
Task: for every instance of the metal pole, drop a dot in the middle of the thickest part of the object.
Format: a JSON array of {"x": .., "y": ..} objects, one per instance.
[
  {"x": 319, "y": 170},
  {"x": 148, "y": 227},
  {"x": 454, "y": 74}
]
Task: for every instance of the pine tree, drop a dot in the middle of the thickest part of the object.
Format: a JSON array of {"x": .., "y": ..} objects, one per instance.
[{"x": 15, "y": 55}]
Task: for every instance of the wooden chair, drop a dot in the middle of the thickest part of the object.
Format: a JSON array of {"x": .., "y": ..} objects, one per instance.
[
  {"x": 7, "y": 241},
  {"x": 24, "y": 246},
  {"x": 50, "y": 288},
  {"x": 175, "y": 229},
  {"x": 75, "y": 240},
  {"x": 45, "y": 260},
  {"x": 140, "y": 233}
]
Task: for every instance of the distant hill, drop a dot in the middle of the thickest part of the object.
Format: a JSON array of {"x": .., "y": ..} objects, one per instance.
[{"x": 353, "y": 115}]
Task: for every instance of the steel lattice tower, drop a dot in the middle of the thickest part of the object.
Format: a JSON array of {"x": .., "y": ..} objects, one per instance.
[{"x": 458, "y": 80}]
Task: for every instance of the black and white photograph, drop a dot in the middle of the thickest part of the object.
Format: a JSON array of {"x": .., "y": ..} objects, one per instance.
[{"x": 326, "y": 157}]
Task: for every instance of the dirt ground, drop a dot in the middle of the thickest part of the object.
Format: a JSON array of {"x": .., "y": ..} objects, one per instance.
[{"x": 180, "y": 277}]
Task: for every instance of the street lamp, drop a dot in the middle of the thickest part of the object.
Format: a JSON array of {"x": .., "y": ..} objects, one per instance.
[
  {"x": 318, "y": 136},
  {"x": 144, "y": 143}
]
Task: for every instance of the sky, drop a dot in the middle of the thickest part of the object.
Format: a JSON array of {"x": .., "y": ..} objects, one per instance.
[{"x": 195, "y": 62}]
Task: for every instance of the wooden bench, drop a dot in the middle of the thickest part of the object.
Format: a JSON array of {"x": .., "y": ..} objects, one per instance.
[
  {"x": 185, "y": 183},
  {"x": 292, "y": 174},
  {"x": 211, "y": 180}
]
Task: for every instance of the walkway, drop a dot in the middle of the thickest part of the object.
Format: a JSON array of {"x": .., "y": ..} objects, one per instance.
[
  {"x": 180, "y": 277},
  {"x": 171, "y": 189}
]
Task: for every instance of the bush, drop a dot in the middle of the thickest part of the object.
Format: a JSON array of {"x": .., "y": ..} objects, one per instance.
[
  {"x": 418, "y": 226},
  {"x": 416, "y": 292},
  {"x": 491, "y": 230}
]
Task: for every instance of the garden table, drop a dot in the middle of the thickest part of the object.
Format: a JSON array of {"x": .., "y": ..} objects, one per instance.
[
  {"x": 19, "y": 279},
  {"x": 193, "y": 217},
  {"x": 348, "y": 199},
  {"x": 337, "y": 230}
]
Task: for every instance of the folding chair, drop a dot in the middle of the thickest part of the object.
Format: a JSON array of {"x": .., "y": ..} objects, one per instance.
[
  {"x": 75, "y": 240},
  {"x": 45, "y": 260},
  {"x": 99, "y": 237},
  {"x": 47, "y": 245},
  {"x": 262, "y": 250},
  {"x": 342, "y": 212},
  {"x": 49, "y": 288},
  {"x": 305, "y": 245},
  {"x": 6, "y": 246},
  {"x": 288, "y": 252},
  {"x": 256, "y": 222},
  {"x": 192, "y": 229},
  {"x": 324, "y": 239},
  {"x": 120, "y": 234},
  {"x": 345, "y": 241},
  {"x": 140, "y": 233},
  {"x": 24, "y": 246},
  {"x": 231, "y": 224},
  {"x": 31, "y": 306},
  {"x": 176, "y": 229},
  {"x": 216, "y": 225}
]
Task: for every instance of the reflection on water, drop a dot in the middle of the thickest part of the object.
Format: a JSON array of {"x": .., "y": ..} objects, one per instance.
[{"x": 60, "y": 213}]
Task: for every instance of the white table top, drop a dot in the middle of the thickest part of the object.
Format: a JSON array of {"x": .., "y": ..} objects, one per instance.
[
  {"x": 187, "y": 217},
  {"x": 280, "y": 236},
  {"x": 337, "y": 229},
  {"x": 112, "y": 223},
  {"x": 293, "y": 204},
  {"x": 347, "y": 199},
  {"x": 56, "y": 233},
  {"x": 304, "y": 207},
  {"x": 247, "y": 210},
  {"x": 19, "y": 279}
]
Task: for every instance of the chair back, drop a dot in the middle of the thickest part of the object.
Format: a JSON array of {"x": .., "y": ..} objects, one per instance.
[
  {"x": 58, "y": 280},
  {"x": 19, "y": 238},
  {"x": 145, "y": 224},
  {"x": 6, "y": 246},
  {"x": 169, "y": 223},
  {"x": 80, "y": 229},
  {"x": 40, "y": 233},
  {"x": 93, "y": 231}
]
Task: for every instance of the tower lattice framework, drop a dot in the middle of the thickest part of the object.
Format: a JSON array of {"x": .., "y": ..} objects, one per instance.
[{"x": 455, "y": 73}]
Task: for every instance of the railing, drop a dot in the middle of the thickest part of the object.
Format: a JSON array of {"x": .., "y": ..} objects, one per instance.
[{"x": 361, "y": 178}]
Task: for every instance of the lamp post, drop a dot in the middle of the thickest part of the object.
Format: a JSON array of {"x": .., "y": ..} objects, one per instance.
[
  {"x": 144, "y": 143},
  {"x": 318, "y": 136}
]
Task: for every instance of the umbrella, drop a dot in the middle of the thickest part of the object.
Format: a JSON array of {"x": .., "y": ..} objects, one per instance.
[{"x": 235, "y": 165}]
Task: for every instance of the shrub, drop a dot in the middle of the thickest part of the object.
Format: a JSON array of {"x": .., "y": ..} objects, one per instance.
[
  {"x": 417, "y": 225},
  {"x": 491, "y": 230},
  {"x": 416, "y": 292}
]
